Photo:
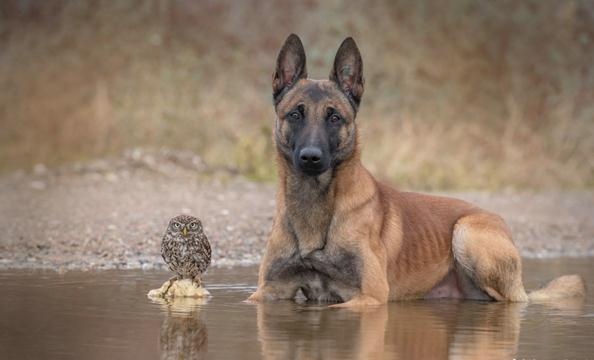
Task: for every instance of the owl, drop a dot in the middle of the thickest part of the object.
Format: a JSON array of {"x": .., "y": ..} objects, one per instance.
[{"x": 185, "y": 248}]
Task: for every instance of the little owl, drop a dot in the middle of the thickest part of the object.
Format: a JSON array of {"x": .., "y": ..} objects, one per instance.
[{"x": 185, "y": 248}]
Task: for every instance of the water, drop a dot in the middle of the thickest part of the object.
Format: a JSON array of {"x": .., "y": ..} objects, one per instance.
[{"x": 106, "y": 315}]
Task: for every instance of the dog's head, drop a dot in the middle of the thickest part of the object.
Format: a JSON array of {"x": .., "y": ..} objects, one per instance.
[{"x": 315, "y": 128}]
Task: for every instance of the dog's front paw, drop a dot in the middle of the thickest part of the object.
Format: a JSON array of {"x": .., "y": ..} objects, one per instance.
[
  {"x": 255, "y": 297},
  {"x": 358, "y": 302}
]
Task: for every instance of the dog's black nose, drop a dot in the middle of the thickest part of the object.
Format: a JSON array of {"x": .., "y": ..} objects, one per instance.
[{"x": 310, "y": 155}]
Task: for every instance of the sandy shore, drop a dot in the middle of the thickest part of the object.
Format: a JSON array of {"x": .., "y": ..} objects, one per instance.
[{"x": 112, "y": 214}]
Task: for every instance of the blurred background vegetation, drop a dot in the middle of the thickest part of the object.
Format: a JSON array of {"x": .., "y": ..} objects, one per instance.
[{"x": 463, "y": 94}]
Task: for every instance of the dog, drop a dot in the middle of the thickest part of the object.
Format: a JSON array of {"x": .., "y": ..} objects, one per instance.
[{"x": 341, "y": 236}]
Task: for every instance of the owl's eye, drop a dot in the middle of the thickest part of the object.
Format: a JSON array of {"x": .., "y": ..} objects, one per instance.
[
  {"x": 176, "y": 225},
  {"x": 193, "y": 226}
]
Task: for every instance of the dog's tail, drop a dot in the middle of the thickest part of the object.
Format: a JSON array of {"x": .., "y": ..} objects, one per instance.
[{"x": 563, "y": 287}]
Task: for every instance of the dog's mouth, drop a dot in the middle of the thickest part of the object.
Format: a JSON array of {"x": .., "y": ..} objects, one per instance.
[{"x": 312, "y": 171}]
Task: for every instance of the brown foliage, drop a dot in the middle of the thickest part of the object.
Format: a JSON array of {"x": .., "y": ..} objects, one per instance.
[{"x": 463, "y": 94}]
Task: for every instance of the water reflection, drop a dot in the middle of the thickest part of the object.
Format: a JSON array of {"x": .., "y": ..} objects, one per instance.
[
  {"x": 567, "y": 307},
  {"x": 287, "y": 331},
  {"x": 427, "y": 330},
  {"x": 183, "y": 332},
  {"x": 407, "y": 330}
]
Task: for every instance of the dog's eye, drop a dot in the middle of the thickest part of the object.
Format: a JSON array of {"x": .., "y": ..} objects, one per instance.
[
  {"x": 334, "y": 119},
  {"x": 295, "y": 115}
]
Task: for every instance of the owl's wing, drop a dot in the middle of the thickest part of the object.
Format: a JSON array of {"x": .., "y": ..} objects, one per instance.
[
  {"x": 207, "y": 249},
  {"x": 203, "y": 254},
  {"x": 165, "y": 250}
]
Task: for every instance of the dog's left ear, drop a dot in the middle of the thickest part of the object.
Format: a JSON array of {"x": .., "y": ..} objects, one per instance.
[
  {"x": 290, "y": 67},
  {"x": 348, "y": 70}
]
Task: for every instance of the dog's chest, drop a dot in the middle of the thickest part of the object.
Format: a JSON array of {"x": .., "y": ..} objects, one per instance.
[{"x": 327, "y": 276}]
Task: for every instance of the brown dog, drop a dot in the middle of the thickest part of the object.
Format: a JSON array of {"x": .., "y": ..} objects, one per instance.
[{"x": 341, "y": 236}]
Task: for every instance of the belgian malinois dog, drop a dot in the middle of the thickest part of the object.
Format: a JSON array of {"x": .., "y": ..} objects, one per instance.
[{"x": 341, "y": 236}]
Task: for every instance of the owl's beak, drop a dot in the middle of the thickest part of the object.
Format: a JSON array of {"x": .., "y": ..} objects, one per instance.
[{"x": 185, "y": 231}]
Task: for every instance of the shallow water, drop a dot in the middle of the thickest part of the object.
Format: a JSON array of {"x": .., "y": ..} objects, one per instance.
[{"x": 106, "y": 315}]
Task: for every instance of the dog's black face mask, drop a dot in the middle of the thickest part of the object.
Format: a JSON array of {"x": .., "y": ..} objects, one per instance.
[{"x": 315, "y": 141}]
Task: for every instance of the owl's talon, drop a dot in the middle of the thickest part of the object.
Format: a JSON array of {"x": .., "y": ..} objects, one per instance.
[{"x": 171, "y": 281}]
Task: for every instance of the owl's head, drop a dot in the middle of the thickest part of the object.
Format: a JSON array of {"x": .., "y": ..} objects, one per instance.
[{"x": 185, "y": 225}]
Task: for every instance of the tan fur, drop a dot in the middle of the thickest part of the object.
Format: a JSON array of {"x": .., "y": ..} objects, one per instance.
[
  {"x": 563, "y": 287},
  {"x": 410, "y": 245}
]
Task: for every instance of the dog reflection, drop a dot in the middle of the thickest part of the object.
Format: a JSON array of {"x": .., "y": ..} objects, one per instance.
[
  {"x": 411, "y": 330},
  {"x": 318, "y": 333},
  {"x": 441, "y": 330},
  {"x": 183, "y": 333}
]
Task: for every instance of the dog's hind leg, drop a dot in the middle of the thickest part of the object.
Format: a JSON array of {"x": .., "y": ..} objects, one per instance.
[{"x": 487, "y": 259}]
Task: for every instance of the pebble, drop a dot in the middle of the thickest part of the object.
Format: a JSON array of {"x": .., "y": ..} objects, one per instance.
[
  {"x": 39, "y": 169},
  {"x": 111, "y": 177},
  {"x": 37, "y": 185}
]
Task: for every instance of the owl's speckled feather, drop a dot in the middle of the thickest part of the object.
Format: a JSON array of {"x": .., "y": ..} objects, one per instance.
[{"x": 188, "y": 255}]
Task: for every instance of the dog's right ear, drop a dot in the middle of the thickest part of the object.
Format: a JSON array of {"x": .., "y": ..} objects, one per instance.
[
  {"x": 290, "y": 67},
  {"x": 347, "y": 72}
]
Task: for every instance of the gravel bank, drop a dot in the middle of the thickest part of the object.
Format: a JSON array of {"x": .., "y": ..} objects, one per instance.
[{"x": 112, "y": 214}]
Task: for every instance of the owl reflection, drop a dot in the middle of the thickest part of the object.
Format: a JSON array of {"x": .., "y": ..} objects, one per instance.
[
  {"x": 185, "y": 248},
  {"x": 184, "y": 334}
]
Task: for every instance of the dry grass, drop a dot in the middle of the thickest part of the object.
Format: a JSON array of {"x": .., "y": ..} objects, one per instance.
[{"x": 463, "y": 94}]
